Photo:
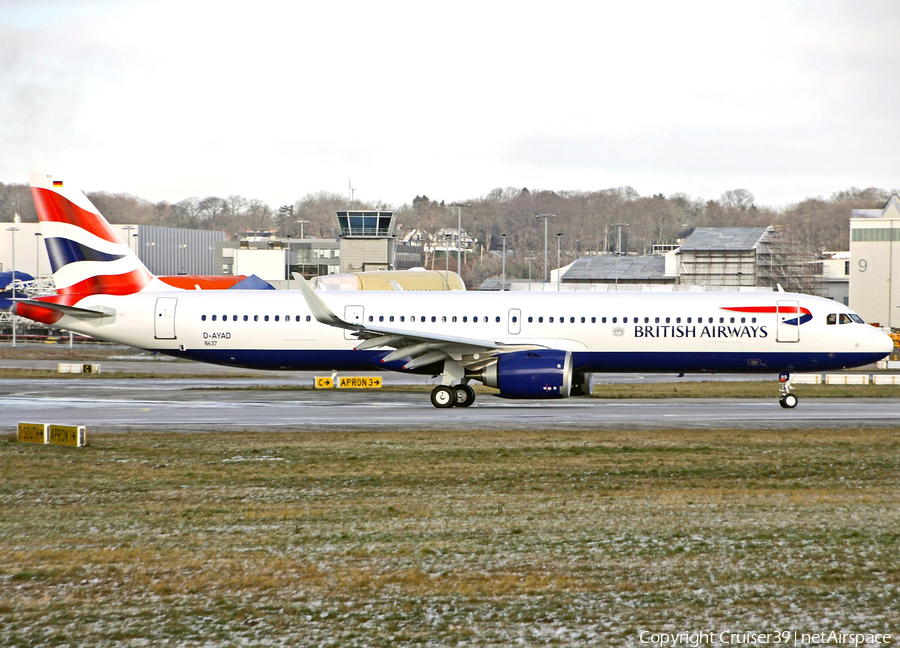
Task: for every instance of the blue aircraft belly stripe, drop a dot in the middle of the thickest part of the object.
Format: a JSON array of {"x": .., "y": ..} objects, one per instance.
[{"x": 583, "y": 361}]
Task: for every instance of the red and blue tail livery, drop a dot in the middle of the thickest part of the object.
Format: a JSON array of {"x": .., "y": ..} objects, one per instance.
[{"x": 86, "y": 255}]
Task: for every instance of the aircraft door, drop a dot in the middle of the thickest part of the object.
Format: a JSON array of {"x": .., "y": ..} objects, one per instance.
[
  {"x": 788, "y": 324},
  {"x": 353, "y": 315},
  {"x": 164, "y": 322},
  {"x": 515, "y": 321}
]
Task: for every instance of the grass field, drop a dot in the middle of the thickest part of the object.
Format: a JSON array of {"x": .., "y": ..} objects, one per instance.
[{"x": 581, "y": 538}]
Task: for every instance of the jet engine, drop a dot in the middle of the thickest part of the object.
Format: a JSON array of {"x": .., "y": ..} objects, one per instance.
[{"x": 530, "y": 374}]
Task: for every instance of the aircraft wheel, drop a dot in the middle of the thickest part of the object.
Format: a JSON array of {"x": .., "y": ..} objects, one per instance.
[
  {"x": 788, "y": 401},
  {"x": 443, "y": 396},
  {"x": 465, "y": 396}
]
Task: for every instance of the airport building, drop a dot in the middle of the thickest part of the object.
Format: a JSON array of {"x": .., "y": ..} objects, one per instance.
[
  {"x": 875, "y": 263},
  {"x": 836, "y": 276},
  {"x": 737, "y": 257},
  {"x": 366, "y": 243},
  {"x": 711, "y": 258}
]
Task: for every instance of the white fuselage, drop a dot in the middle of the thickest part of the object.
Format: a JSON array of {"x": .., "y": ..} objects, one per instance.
[{"x": 669, "y": 332}]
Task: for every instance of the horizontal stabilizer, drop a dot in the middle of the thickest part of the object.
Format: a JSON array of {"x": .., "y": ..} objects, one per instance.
[{"x": 72, "y": 311}]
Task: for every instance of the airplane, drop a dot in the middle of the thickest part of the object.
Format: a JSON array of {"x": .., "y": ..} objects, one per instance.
[{"x": 527, "y": 345}]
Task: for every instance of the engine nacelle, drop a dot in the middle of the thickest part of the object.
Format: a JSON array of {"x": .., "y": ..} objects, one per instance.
[{"x": 531, "y": 374}]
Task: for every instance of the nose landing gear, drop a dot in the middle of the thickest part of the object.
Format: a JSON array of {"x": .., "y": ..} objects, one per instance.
[{"x": 787, "y": 400}]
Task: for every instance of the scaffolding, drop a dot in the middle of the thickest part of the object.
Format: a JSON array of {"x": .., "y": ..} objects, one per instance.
[
  {"x": 782, "y": 260},
  {"x": 749, "y": 257}
]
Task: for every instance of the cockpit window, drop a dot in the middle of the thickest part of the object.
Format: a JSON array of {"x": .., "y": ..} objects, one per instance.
[
  {"x": 831, "y": 318},
  {"x": 856, "y": 318},
  {"x": 845, "y": 319}
]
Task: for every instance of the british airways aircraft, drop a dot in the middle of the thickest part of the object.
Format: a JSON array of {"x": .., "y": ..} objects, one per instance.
[{"x": 527, "y": 345}]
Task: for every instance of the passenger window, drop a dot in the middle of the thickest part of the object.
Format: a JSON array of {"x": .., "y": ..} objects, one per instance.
[
  {"x": 582, "y": 320},
  {"x": 743, "y": 320},
  {"x": 550, "y": 320},
  {"x": 572, "y": 320},
  {"x": 453, "y": 319},
  {"x": 465, "y": 318},
  {"x": 308, "y": 318},
  {"x": 498, "y": 319},
  {"x": 403, "y": 318},
  {"x": 541, "y": 320},
  {"x": 530, "y": 319},
  {"x": 624, "y": 320},
  {"x": 247, "y": 318},
  {"x": 433, "y": 318},
  {"x": 422, "y": 319},
  {"x": 213, "y": 318},
  {"x": 594, "y": 320},
  {"x": 831, "y": 318},
  {"x": 266, "y": 318},
  {"x": 732, "y": 320},
  {"x": 381, "y": 318},
  {"x": 203, "y": 318},
  {"x": 753, "y": 320},
  {"x": 276, "y": 318},
  {"x": 371, "y": 318},
  {"x": 256, "y": 318},
  {"x": 515, "y": 319},
  {"x": 391, "y": 318},
  {"x": 721, "y": 320},
  {"x": 668, "y": 319},
  {"x": 614, "y": 320}
]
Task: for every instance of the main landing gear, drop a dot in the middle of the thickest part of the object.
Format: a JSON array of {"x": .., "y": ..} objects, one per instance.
[
  {"x": 787, "y": 400},
  {"x": 461, "y": 395}
]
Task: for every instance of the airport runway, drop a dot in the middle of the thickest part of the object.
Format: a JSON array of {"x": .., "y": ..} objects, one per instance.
[{"x": 190, "y": 404}]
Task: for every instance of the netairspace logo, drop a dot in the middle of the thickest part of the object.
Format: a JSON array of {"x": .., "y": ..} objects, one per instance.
[{"x": 784, "y": 638}]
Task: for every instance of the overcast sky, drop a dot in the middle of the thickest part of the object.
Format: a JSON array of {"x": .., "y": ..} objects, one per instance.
[{"x": 274, "y": 100}]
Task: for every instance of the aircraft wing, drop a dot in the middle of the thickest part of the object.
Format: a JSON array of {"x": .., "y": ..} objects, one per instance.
[{"x": 423, "y": 348}]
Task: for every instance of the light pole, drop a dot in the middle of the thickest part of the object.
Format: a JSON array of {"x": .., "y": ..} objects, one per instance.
[
  {"x": 301, "y": 223},
  {"x": 447, "y": 238},
  {"x": 503, "y": 285},
  {"x": 12, "y": 231},
  {"x": 619, "y": 227},
  {"x": 559, "y": 236},
  {"x": 37, "y": 253},
  {"x": 128, "y": 229},
  {"x": 459, "y": 207},
  {"x": 546, "y": 218},
  {"x": 183, "y": 247}
]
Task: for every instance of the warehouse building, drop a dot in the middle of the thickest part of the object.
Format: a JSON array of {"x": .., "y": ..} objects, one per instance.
[{"x": 875, "y": 263}]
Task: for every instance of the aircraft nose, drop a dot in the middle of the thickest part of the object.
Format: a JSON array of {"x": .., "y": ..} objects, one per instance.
[{"x": 884, "y": 343}]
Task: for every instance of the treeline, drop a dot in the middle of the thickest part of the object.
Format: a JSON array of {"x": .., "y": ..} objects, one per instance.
[{"x": 586, "y": 219}]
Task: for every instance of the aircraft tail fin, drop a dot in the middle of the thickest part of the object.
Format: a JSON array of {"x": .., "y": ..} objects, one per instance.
[{"x": 86, "y": 254}]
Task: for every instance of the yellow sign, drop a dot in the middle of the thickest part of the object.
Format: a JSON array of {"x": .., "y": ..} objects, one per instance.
[
  {"x": 324, "y": 382},
  {"x": 69, "y": 435},
  {"x": 33, "y": 432},
  {"x": 359, "y": 382}
]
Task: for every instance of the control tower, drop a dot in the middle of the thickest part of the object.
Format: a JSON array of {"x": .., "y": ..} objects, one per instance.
[{"x": 367, "y": 240}]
